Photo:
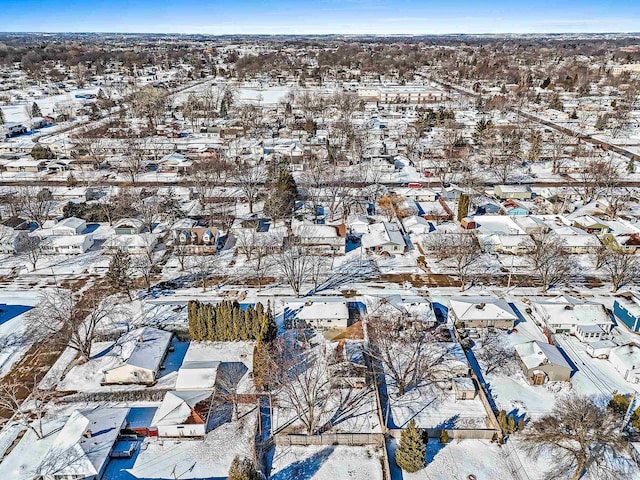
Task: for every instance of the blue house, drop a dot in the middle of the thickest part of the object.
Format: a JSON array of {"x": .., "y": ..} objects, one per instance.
[{"x": 626, "y": 308}]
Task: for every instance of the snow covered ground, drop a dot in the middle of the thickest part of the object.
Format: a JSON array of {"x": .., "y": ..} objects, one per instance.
[
  {"x": 328, "y": 462},
  {"x": 456, "y": 461},
  {"x": 193, "y": 459}
]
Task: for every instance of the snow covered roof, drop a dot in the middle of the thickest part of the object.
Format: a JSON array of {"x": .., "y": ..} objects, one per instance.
[
  {"x": 565, "y": 310},
  {"x": 198, "y": 371},
  {"x": 382, "y": 234},
  {"x": 536, "y": 353},
  {"x": 178, "y": 408},
  {"x": 144, "y": 347},
  {"x": 627, "y": 356},
  {"x": 481, "y": 308},
  {"x": 320, "y": 310},
  {"x": 78, "y": 446}
]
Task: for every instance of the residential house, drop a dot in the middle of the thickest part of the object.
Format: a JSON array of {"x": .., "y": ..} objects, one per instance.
[
  {"x": 542, "y": 362},
  {"x": 183, "y": 414},
  {"x": 626, "y": 308},
  {"x": 385, "y": 238},
  {"x": 626, "y": 360},
  {"x": 142, "y": 352},
  {"x": 66, "y": 244},
  {"x": 321, "y": 313},
  {"x": 515, "y": 192},
  {"x": 198, "y": 371},
  {"x": 137, "y": 244},
  {"x": 321, "y": 238},
  {"x": 76, "y": 447},
  {"x": 591, "y": 224},
  {"x": 10, "y": 239},
  {"x": 513, "y": 208},
  {"x": 482, "y": 312},
  {"x": 587, "y": 320},
  {"x": 197, "y": 239},
  {"x": 128, "y": 226}
]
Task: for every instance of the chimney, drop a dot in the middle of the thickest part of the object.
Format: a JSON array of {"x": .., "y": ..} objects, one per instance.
[
  {"x": 88, "y": 434},
  {"x": 481, "y": 306}
]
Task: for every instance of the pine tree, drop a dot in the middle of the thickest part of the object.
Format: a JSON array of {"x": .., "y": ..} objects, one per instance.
[
  {"x": 411, "y": 453},
  {"x": 2, "y": 119},
  {"x": 444, "y": 437},
  {"x": 502, "y": 420},
  {"x": 243, "y": 470},
  {"x": 35, "y": 110},
  {"x": 119, "y": 275},
  {"x": 463, "y": 206},
  {"x": 511, "y": 424}
]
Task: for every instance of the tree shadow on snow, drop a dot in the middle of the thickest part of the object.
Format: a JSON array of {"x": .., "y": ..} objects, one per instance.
[{"x": 304, "y": 469}]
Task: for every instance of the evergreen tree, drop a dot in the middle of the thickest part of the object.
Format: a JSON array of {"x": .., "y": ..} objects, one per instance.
[
  {"x": 463, "y": 206},
  {"x": 119, "y": 275},
  {"x": 243, "y": 470},
  {"x": 35, "y": 110},
  {"x": 444, "y": 437},
  {"x": 2, "y": 119},
  {"x": 283, "y": 196},
  {"x": 411, "y": 453}
]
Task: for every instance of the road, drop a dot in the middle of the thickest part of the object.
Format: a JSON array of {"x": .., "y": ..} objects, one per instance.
[{"x": 560, "y": 128}]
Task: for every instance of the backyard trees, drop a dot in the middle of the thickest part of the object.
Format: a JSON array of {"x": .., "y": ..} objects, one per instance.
[
  {"x": 71, "y": 319},
  {"x": 461, "y": 251},
  {"x": 243, "y": 470},
  {"x": 119, "y": 273},
  {"x": 406, "y": 350},
  {"x": 411, "y": 453},
  {"x": 623, "y": 268},
  {"x": 550, "y": 261},
  {"x": 582, "y": 439}
]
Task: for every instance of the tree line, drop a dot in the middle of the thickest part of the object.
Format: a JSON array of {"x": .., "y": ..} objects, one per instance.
[{"x": 228, "y": 321}]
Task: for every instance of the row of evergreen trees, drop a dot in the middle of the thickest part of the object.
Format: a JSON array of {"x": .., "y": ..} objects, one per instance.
[{"x": 228, "y": 322}]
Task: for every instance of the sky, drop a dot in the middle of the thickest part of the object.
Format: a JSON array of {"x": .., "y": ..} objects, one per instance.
[{"x": 383, "y": 17}]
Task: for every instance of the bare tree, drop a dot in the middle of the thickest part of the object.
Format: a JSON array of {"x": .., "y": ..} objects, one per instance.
[
  {"x": 299, "y": 375},
  {"x": 295, "y": 265},
  {"x": 228, "y": 380},
  {"x": 582, "y": 440},
  {"x": 30, "y": 247},
  {"x": 250, "y": 181},
  {"x": 494, "y": 353},
  {"x": 461, "y": 251},
  {"x": 407, "y": 350},
  {"x": 623, "y": 268},
  {"x": 71, "y": 319},
  {"x": 27, "y": 405},
  {"x": 550, "y": 261},
  {"x": 36, "y": 204}
]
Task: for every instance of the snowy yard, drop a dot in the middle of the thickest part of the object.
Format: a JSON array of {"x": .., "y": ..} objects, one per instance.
[
  {"x": 330, "y": 462},
  {"x": 193, "y": 459}
]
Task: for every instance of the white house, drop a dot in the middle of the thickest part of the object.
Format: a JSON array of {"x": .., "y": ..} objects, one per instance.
[
  {"x": 481, "y": 312},
  {"x": 322, "y": 313},
  {"x": 626, "y": 360},
  {"x": 542, "y": 362},
  {"x": 589, "y": 321},
  {"x": 142, "y": 352},
  {"x": 68, "y": 226},
  {"x": 140, "y": 243},
  {"x": 198, "y": 371},
  {"x": 76, "y": 447},
  {"x": 384, "y": 237},
  {"x": 183, "y": 414},
  {"x": 10, "y": 239},
  {"x": 322, "y": 238},
  {"x": 67, "y": 244}
]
